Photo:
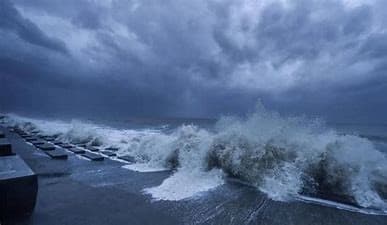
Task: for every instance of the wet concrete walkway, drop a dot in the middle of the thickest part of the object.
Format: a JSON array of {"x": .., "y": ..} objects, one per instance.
[{"x": 78, "y": 191}]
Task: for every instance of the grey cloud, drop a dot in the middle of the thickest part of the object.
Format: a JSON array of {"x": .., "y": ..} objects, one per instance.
[
  {"x": 87, "y": 19},
  {"x": 290, "y": 34},
  {"x": 204, "y": 58},
  {"x": 25, "y": 29}
]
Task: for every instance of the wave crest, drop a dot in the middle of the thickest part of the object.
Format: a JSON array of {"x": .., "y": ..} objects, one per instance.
[{"x": 281, "y": 156}]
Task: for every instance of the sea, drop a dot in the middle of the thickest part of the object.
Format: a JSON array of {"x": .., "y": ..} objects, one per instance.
[{"x": 285, "y": 158}]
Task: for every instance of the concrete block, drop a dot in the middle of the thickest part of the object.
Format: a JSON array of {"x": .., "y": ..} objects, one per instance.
[
  {"x": 82, "y": 145},
  {"x": 127, "y": 158},
  {"x": 5, "y": 147},
  {"x": 31, "y": 138},
  {"x": 65, "y": 145},
  {"x": 2, "y": 135},
  {"x": 46, "y": 147},
  {"x": 37, "y": 142},
  {"x": 93, "y": 149},
  {"x": 114, "y": 149},
  {"x": 79, "y": 143},
  {"x": 26, "y": 136},
  {"x": 76, "y": 150},
  {"x": 57, "y": 142},
  {"x": 49, "y": 138},
  {"x": 57, "y": 154},
  {"x": 18, "y": 187},
  {"x": 109, "y": 153},
  {"x": 92, "y": 156}
]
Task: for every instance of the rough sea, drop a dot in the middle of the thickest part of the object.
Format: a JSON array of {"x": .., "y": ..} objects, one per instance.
[{"x": 288, "y": 159}]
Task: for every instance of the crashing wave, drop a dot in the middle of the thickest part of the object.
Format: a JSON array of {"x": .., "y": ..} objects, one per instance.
[{"x": 284, "y": 157}]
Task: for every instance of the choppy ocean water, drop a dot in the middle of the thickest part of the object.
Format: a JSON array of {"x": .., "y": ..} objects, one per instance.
[{"x": 286, "y": 158}]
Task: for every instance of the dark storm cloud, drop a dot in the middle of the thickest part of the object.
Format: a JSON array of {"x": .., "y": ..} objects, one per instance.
[
  {"x": 25, "y": 29},
  {"x": 197, "y": 58},
  {"x": 87, "y": 19}
]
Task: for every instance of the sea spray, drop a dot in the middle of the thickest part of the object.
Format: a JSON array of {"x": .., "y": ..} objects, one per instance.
[{"x": 284, "y": 157}]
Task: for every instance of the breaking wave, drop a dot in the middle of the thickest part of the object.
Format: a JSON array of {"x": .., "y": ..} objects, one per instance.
[{"x": 284, "y": 157}]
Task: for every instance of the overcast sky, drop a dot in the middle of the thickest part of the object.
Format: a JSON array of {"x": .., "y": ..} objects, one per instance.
[{"x": 198, "y": 58}]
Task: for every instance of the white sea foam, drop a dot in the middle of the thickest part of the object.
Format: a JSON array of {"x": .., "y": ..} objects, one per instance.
[
  {"x": 144, "y": 167},
  {"x": 282, "y": 156},
  {"x": 186, "y": 184}
]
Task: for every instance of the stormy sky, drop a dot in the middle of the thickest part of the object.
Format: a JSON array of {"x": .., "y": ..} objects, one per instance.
[{"x": 199, "y": 58}]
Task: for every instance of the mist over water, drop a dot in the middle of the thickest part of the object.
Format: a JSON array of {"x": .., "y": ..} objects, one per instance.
[{"x": 284, "y": 157}]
